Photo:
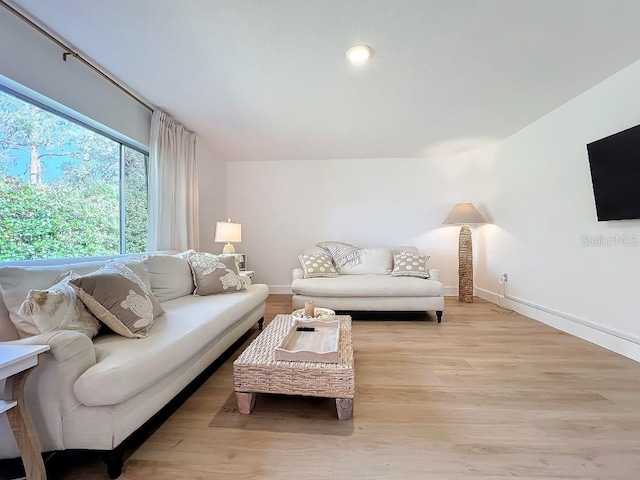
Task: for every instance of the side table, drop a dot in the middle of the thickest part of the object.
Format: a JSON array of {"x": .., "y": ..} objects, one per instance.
[
  {"x": 248, "y": 273},
  {"x": 16, "y": 363}
]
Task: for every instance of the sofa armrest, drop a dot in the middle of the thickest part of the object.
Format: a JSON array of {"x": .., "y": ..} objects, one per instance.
[
  {"x": 434, "y": 274},
  {"x": 65, "y": 345},
  {"x": 50, "y": 386},
  {"x": 298, "y": 273}
]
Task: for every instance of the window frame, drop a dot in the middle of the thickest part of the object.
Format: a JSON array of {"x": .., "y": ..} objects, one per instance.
[{"x": 50, "y": 106}]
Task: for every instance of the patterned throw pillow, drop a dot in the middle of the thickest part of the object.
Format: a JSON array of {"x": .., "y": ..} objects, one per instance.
[
  {"x": 317, "y": 265},
  {"x": 59, "y": 308},
  {"x": 215, "y": 273},
  {"x": 343, "y": 254},
  {"x": 407, "y": 264},
  {"x": 119, "y": 299}
]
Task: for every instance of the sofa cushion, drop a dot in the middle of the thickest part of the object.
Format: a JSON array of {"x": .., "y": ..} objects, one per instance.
[
  {"x": 372, "y": 260},
  {"x": 407, "y": 264},
  {"x": 214, "y": 273},
  {"x": 59, "y": 308},
  {"x": 116, "y": 296},
  {"x": 366, "y": 286},
  {"x": 317, "y": 265},
  {"x": 170, "y": 275},
  {"x": 16, "y": 281},
  {"x": 190, "y": 324}
]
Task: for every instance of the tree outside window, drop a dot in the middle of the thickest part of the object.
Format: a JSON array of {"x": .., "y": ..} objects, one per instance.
[{"x": 65, "y": 190}]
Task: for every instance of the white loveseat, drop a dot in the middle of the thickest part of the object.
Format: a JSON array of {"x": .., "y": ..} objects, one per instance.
[
  {"x": 93, "y": 394},
  {"x": 370, "y": 291}
]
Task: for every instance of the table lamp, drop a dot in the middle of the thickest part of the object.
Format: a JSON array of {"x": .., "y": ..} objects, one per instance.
[
  {"x": 228, "y": 232},
  {"x": 464, "y": 213}
]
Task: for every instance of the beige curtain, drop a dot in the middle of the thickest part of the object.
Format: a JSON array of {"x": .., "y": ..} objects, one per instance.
[{"x": 173, "y": 186}]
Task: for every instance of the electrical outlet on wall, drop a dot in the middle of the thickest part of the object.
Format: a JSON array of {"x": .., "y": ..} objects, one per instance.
[{"x": 504, "y": 277}]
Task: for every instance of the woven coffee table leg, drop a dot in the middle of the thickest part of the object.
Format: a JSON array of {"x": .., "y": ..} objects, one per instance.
[
  {"x": 246, "y": 401},
  {"x": 344, "y": 406}
]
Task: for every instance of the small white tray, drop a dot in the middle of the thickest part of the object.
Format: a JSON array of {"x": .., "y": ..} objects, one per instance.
[{"x": 321, "y": 345}]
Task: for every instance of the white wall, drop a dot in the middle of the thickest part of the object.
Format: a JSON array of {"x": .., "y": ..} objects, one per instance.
[
  {"x": 540, "y": 197},
  {"x": 285, "y": 206},
  {"x": 30, "y": 59},
  {"x": 212, "y": 193}
]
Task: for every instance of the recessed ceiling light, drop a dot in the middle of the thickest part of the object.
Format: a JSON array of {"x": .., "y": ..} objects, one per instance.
[{"x": 359, "y": 54}]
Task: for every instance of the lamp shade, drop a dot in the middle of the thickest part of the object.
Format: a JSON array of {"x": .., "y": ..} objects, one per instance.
[
  {"x": 464, "y": 213},
  {"x": 228, "y": 232}
]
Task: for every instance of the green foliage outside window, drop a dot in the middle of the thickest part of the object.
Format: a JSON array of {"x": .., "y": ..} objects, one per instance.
[{"x": 60, "y": 188}]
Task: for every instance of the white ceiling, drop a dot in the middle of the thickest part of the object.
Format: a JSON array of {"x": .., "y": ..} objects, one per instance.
[{"x": 268, "y": 79}]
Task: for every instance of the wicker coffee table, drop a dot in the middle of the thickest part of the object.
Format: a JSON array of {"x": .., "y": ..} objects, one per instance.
[{"x": 257, "y": 371}]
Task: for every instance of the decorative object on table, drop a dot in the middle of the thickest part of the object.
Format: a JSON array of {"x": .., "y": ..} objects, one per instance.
[
  {"x": 464, "y": 213},
  {"x": 242, "y": 262},
  {"x": 318, "y": 313},
  {"x": 308, "y": 309},
  {"x": 228, "y": 232}
]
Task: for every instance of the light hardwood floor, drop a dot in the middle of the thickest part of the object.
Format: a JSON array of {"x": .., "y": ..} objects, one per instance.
[{"x": 487, "y": 394}]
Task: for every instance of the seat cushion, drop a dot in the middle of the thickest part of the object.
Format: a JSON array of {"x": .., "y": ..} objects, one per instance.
[
  {"x": 126, "y": 367},
  {"x": 367, "y": 286}
]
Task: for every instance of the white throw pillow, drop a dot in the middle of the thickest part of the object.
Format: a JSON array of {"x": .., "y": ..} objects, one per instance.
[
  {"x": 170, "y": 275},
  {"x": 372, "y": 261},
  {"x": 59, "y": 308}
]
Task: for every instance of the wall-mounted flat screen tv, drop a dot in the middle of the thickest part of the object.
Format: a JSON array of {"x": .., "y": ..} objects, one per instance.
[{"x": 615, "y": 174}]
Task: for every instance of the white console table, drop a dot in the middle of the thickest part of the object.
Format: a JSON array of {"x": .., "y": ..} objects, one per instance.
[{"x": 16, "y": 363}]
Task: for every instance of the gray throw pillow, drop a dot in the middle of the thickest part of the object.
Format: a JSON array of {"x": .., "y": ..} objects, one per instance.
[
  {"x": 215, "y": 273},
  {"x": 117, "y": 297}
]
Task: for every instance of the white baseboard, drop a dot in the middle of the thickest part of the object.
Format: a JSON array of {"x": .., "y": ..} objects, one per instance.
[
  {"x": 611, "y": 339},
  {"x": 280, "y": 289},
  {"x": 450, "y": 291}
]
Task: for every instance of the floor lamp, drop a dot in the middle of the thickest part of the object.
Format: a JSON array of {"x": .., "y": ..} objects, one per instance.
[{"x": 464, "y": 213}]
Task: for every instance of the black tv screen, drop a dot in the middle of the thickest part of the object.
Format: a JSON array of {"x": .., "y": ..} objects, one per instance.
[{"x": 615, "y": 174}]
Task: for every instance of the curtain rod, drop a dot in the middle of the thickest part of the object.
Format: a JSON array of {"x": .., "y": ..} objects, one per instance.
[{"x": 68, "y": 51}]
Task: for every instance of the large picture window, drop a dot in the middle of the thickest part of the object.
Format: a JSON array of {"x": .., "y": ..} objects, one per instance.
[{"x": 65, "y": 189}]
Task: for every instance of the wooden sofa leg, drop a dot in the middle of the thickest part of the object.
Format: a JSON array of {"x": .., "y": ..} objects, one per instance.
[
  {"x": 260, "y": 322},
  {"x": 115, "y": 461},
  {"x": 439, "y": 315}
]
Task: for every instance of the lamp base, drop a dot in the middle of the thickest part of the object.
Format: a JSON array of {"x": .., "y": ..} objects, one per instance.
[
  {"x": 465, "y": 266},
  {"x": 228, "y": 248}
]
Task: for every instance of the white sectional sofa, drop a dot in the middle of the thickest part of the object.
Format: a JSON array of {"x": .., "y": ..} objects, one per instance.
[
  {"x": 93, "y": 394},
  {"x": 370, "y": 291}
]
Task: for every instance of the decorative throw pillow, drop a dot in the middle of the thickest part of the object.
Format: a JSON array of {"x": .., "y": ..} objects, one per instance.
[
  {"x": 119, "y": 299},
  {"x": 59, "y": 308},
  {"x": 344, "y": 254},
  {"x": 215, "y": 273},
  {"x": 407, "y": 264},
  {"x": 317, "y": 265}
]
